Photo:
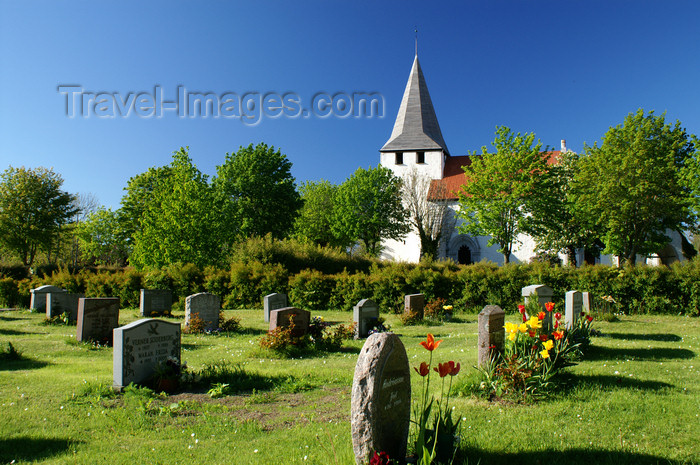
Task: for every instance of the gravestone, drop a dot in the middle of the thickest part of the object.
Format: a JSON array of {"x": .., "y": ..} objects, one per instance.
[
  {"x": 301, "y": 318},
  {"x": 58, "y": 303},
  {"x": 381, "y": 399},
  {"x": 541, "y": 294},
  {"x": 364, "y": 315},
  {"x": 492, "y": 335},
  {"x": 156, "y": 302},
  {"x": 206, "y": 307},
  {"x": 97, "y": 317},
  {"x": 272, "y": 302},
  {"x": 414, "y": 303},
  {"x": 37, "y": 301},
  {"x": 140, "y": 346},
  {"x": 587, "y": 299},
  {"x": 573, "y": 307}
]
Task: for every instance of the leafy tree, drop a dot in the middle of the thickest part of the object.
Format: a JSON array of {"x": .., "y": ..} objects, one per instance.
[
  {"x": 258, "y": 194},
  {"x": 139, "y": 195},
  {"x": 368, "y": 209},
  {"x": 101, "y": 238},
  {"x": 554, "y": 222},
  {"x": 33, "y": 208},
  {"x": 634, "y": 185},
  {"x": 498, "y": 186},
  {"x": 429, "y": 212},
  {"x": 316, "y": 216},
  {"x": 180, "y": 223}
]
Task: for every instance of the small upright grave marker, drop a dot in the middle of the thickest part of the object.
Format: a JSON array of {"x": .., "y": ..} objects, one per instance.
[
  {"x": 364, "y": 315},
  {"x": 541, "y": 294},
  {"x": 381, "y": 399},
  {"x": 274, "y": 301},
  {"x": 492, "y": 336},
  {"x": 301, "y": 318},
  {"x": 587, "y": 299},
  {"x": 156, "y": 302},
  {"x": 58, "y": 303},
  {"x": 37, "y": 300},
  {"x": 140, "y": 346},
  {"x": 415, "y": 303},
  {"x": 574, "y": 306},
  {"x": 206, "y": 307},
  {"x": 97, "y": 318}
]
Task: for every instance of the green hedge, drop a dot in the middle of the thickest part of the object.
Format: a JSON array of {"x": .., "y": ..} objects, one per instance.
[{"x": 640, "y": 290}]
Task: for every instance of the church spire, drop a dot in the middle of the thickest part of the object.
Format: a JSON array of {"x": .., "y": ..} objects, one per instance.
[{"x": 416, "y": 126}]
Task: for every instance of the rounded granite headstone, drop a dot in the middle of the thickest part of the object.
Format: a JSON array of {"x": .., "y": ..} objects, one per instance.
[{"x": 381, "y": 399}]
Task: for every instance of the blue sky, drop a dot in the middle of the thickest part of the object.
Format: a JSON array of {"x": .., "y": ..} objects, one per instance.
[{"x": 562, "y": 69}]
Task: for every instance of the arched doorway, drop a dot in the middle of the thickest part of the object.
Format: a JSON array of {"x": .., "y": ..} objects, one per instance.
[{"x": 464, "y": 256}]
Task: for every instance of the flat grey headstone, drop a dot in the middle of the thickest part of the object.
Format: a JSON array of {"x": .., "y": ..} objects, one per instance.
[
  {"x": 492, "y": 335},
  {"x": 58, "y": 303},
  {"x": 415, "y": 303},
  {"x": 97, "y": 317},
  {"x": 206, "y": 307},
  {"x": 301, "y": 319},
  {"x": 540, "y": 294},
  {"x": 156, "y": 302},
  {"x": 573, "y": 308},
  {"x": 140, "y": 346},
  {"x": 364, "y": 315},
  {"x": 274, "y": 301},
  {"x": 37, "y": 301},
  {"x": 381, "y": 399}
]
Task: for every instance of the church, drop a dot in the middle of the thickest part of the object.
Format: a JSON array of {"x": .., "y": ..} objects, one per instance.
[{"x": 416, "y": 144}]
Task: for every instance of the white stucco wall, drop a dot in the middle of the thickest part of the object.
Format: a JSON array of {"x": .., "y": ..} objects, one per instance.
[{"x": 433, "y": 167}]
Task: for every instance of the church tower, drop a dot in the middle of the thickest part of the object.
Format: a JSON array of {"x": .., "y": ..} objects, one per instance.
[{"x": 416, "y": 140}]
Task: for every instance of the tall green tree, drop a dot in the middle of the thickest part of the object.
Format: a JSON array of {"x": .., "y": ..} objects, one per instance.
[
  {"x": 316, "y": 216},
  {"x": 634, "y": 186},
  {"x": 33, "y": 208},
  {"x": 180, "y": 223},
  {"x": 139, "y": 196},
  {"x": 368, "y": 209},
  {"x": 258, "y": 194},
  {"x": 554, "y": 222},
  {"x": 101, "y": 238},
  {"x": 493, "y": 201}
]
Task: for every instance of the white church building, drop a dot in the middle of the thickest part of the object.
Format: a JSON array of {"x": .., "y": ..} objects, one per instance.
[{"x": 416, "y": 143}]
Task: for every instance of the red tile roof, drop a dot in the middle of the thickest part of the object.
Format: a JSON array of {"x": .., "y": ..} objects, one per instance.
[{"x": 453, "y": 178}]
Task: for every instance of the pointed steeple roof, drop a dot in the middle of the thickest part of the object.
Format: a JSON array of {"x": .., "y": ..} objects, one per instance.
[{"x": 416, "y": 126}]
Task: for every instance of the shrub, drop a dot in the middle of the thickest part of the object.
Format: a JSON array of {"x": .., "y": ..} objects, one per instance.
[
  {"x": 311, "y": 289},
  {"x": 9, "y": 292}
]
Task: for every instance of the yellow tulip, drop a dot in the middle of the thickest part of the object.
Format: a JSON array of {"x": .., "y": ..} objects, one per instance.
[
  {"x": 549, "y": 344},
  {"x": 512, "y": 336},
  {"x": 523, "y": 328},
  {"x": 534, "y": 323},
  {"x": 544, "y": 353}
]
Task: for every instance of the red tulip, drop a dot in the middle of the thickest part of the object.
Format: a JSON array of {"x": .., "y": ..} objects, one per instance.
[
  {"x": 541, "y": 315},
  {"x": 443, "y": 369},
  {"x": 430, "y": 343},
  {"x": 549, "y": 306},
  {"x": 424, "y": 369}
]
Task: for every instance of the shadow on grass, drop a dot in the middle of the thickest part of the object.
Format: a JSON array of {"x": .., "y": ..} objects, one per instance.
[
  {"x": 14, "y": 332},
  {"x": 610, "y": 382},
  {"x": 32, "y": 449},
  {"x": 645, "y": 337},
  {"x": 21, "y": 364},
  {"x": 613, "y": 353},
  {"x": 569, "y": 457},
  {"x": 11, "y": 318}
]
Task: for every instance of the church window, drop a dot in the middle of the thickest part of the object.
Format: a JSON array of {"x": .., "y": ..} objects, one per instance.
[
  {"x": 420, "y": 157},
  {"x": 464, "y": 256},
  {"x": 399, "y": 158}
]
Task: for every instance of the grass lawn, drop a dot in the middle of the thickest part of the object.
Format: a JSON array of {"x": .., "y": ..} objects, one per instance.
[{"x": 634, "y": 400}]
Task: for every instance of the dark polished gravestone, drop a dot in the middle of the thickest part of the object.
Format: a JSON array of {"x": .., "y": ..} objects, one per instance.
[
  {"x": 140, "y": 346},
  {"x": 301, "y": 318},
  {"x": 415, "y": 303},
  {"x": 155, "y": 302},
  {"x": 97, "y": 317},
  {"x": 58, "y": 303},
  {"x": 273, "y": 301},
  {"x": 381, "y": 399},
  {"x": 364, "y": 315}
]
